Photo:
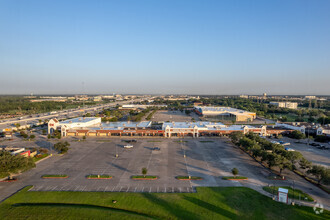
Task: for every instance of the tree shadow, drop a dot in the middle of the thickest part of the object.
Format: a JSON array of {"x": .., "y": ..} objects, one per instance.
[
  {"x": 172, "y": 208},
  {"x": 211, "y": 207},
  {"x": 118, "y": 167}
]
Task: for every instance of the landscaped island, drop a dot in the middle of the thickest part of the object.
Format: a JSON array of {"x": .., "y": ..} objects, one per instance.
[
  {"x": 99, "y": 177},
  {"x": 189, "y": 178},
  {"x": 141, "y": 177},
  {"x": 54, "y": 176},
  {"x": 234, "y": 178}
]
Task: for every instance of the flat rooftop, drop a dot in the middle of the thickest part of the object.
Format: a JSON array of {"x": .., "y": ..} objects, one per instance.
[
  {"x": 205, "y": 109},
  {"x": 78, "y": 120}
]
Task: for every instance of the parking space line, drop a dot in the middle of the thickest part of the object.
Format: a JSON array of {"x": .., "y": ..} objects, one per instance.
[
  {"x": 150, "y": 190},
  {"x": 135, "y": 189},
  {"x": 172, "y": 189},
  {"x": 127, "y": 189},
  {"x": 105, "y": 189},
  {"x": 180, "y": 189},
  {"x": 157, "y": 188},
  {"x": 120, "y": 188},
  {"x": 113, "y": 188},
  {"x": 142, "y": 189}
]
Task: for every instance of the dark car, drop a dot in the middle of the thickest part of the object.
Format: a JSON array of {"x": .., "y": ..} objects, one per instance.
[{"x": 156, "y": 148}]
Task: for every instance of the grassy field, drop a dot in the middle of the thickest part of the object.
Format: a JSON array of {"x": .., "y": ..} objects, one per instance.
[
  {"x": 207, "y": 203},
  {"x": 292, "y": 193}
]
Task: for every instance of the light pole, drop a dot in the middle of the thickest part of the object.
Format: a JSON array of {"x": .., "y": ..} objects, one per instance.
[{"x": 293, "y": 192}]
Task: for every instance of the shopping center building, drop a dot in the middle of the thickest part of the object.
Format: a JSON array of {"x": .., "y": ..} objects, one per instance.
[{"x": 93, "y": 127}]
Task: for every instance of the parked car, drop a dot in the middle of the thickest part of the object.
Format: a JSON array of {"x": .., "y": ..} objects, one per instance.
[
  {"x": 289, "y": 149},
  {"x": 156, "y": 148},
  {"x": 128, "y": 146}
]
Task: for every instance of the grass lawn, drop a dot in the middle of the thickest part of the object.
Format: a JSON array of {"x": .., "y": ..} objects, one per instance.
[
  {"x": 296, "y": 193},
  {"x": 187, "y": 178},
  {"x": 233, "y": 177},
  {"x": 207, "y": 203}
]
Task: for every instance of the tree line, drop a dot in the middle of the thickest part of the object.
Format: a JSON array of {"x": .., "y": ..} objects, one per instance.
[{"x": 275, "y": 156}]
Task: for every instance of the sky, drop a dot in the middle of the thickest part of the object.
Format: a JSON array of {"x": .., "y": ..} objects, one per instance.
[{"x": 220, "y": 47}]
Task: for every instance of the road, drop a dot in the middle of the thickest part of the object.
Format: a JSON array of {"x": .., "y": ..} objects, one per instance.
[{"x": 64, "y": 114}]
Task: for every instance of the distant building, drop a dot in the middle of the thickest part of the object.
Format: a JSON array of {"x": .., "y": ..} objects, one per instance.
[
  {"x": 226, "y": 113},
  {"x": 97, "y": 98},
  {"x": 291, "y": 105},
  {"x": 198, "y": 103},
  {"x": 244, "y": 96},
  {"x": 133, "y": 107},
  {"x": 310, "y": 97}
]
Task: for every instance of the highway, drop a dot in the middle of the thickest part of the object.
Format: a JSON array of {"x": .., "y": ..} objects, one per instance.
[{"x": 64, "y": 114}]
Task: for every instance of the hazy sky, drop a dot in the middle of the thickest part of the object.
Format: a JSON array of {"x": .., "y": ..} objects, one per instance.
[{"x": 165, "y": 46}]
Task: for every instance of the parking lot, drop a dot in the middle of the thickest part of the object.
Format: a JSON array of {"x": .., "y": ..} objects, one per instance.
[
  {"x": 210, "y": 159},
  {"x": 311, "y": 153},
  {"x": 165, "y": 115}
]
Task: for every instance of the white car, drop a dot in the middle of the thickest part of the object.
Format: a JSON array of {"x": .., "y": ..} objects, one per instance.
[{"x": 128, "y": 146}]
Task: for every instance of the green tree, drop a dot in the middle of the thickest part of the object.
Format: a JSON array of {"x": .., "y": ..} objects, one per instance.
[
  {"x": 321, "y": 173},
  {"x": 304, "y": 163},
  {"x": 236, "y": 136},
  {"x": 234, "y": 171},
  {"x": 297, "y": 135},
  {"x": 13, "y": 164},
  {"x": 293, "y": 156},
  {"x": 282, "y": 163},
  {"x": 144, "y": 171}
]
